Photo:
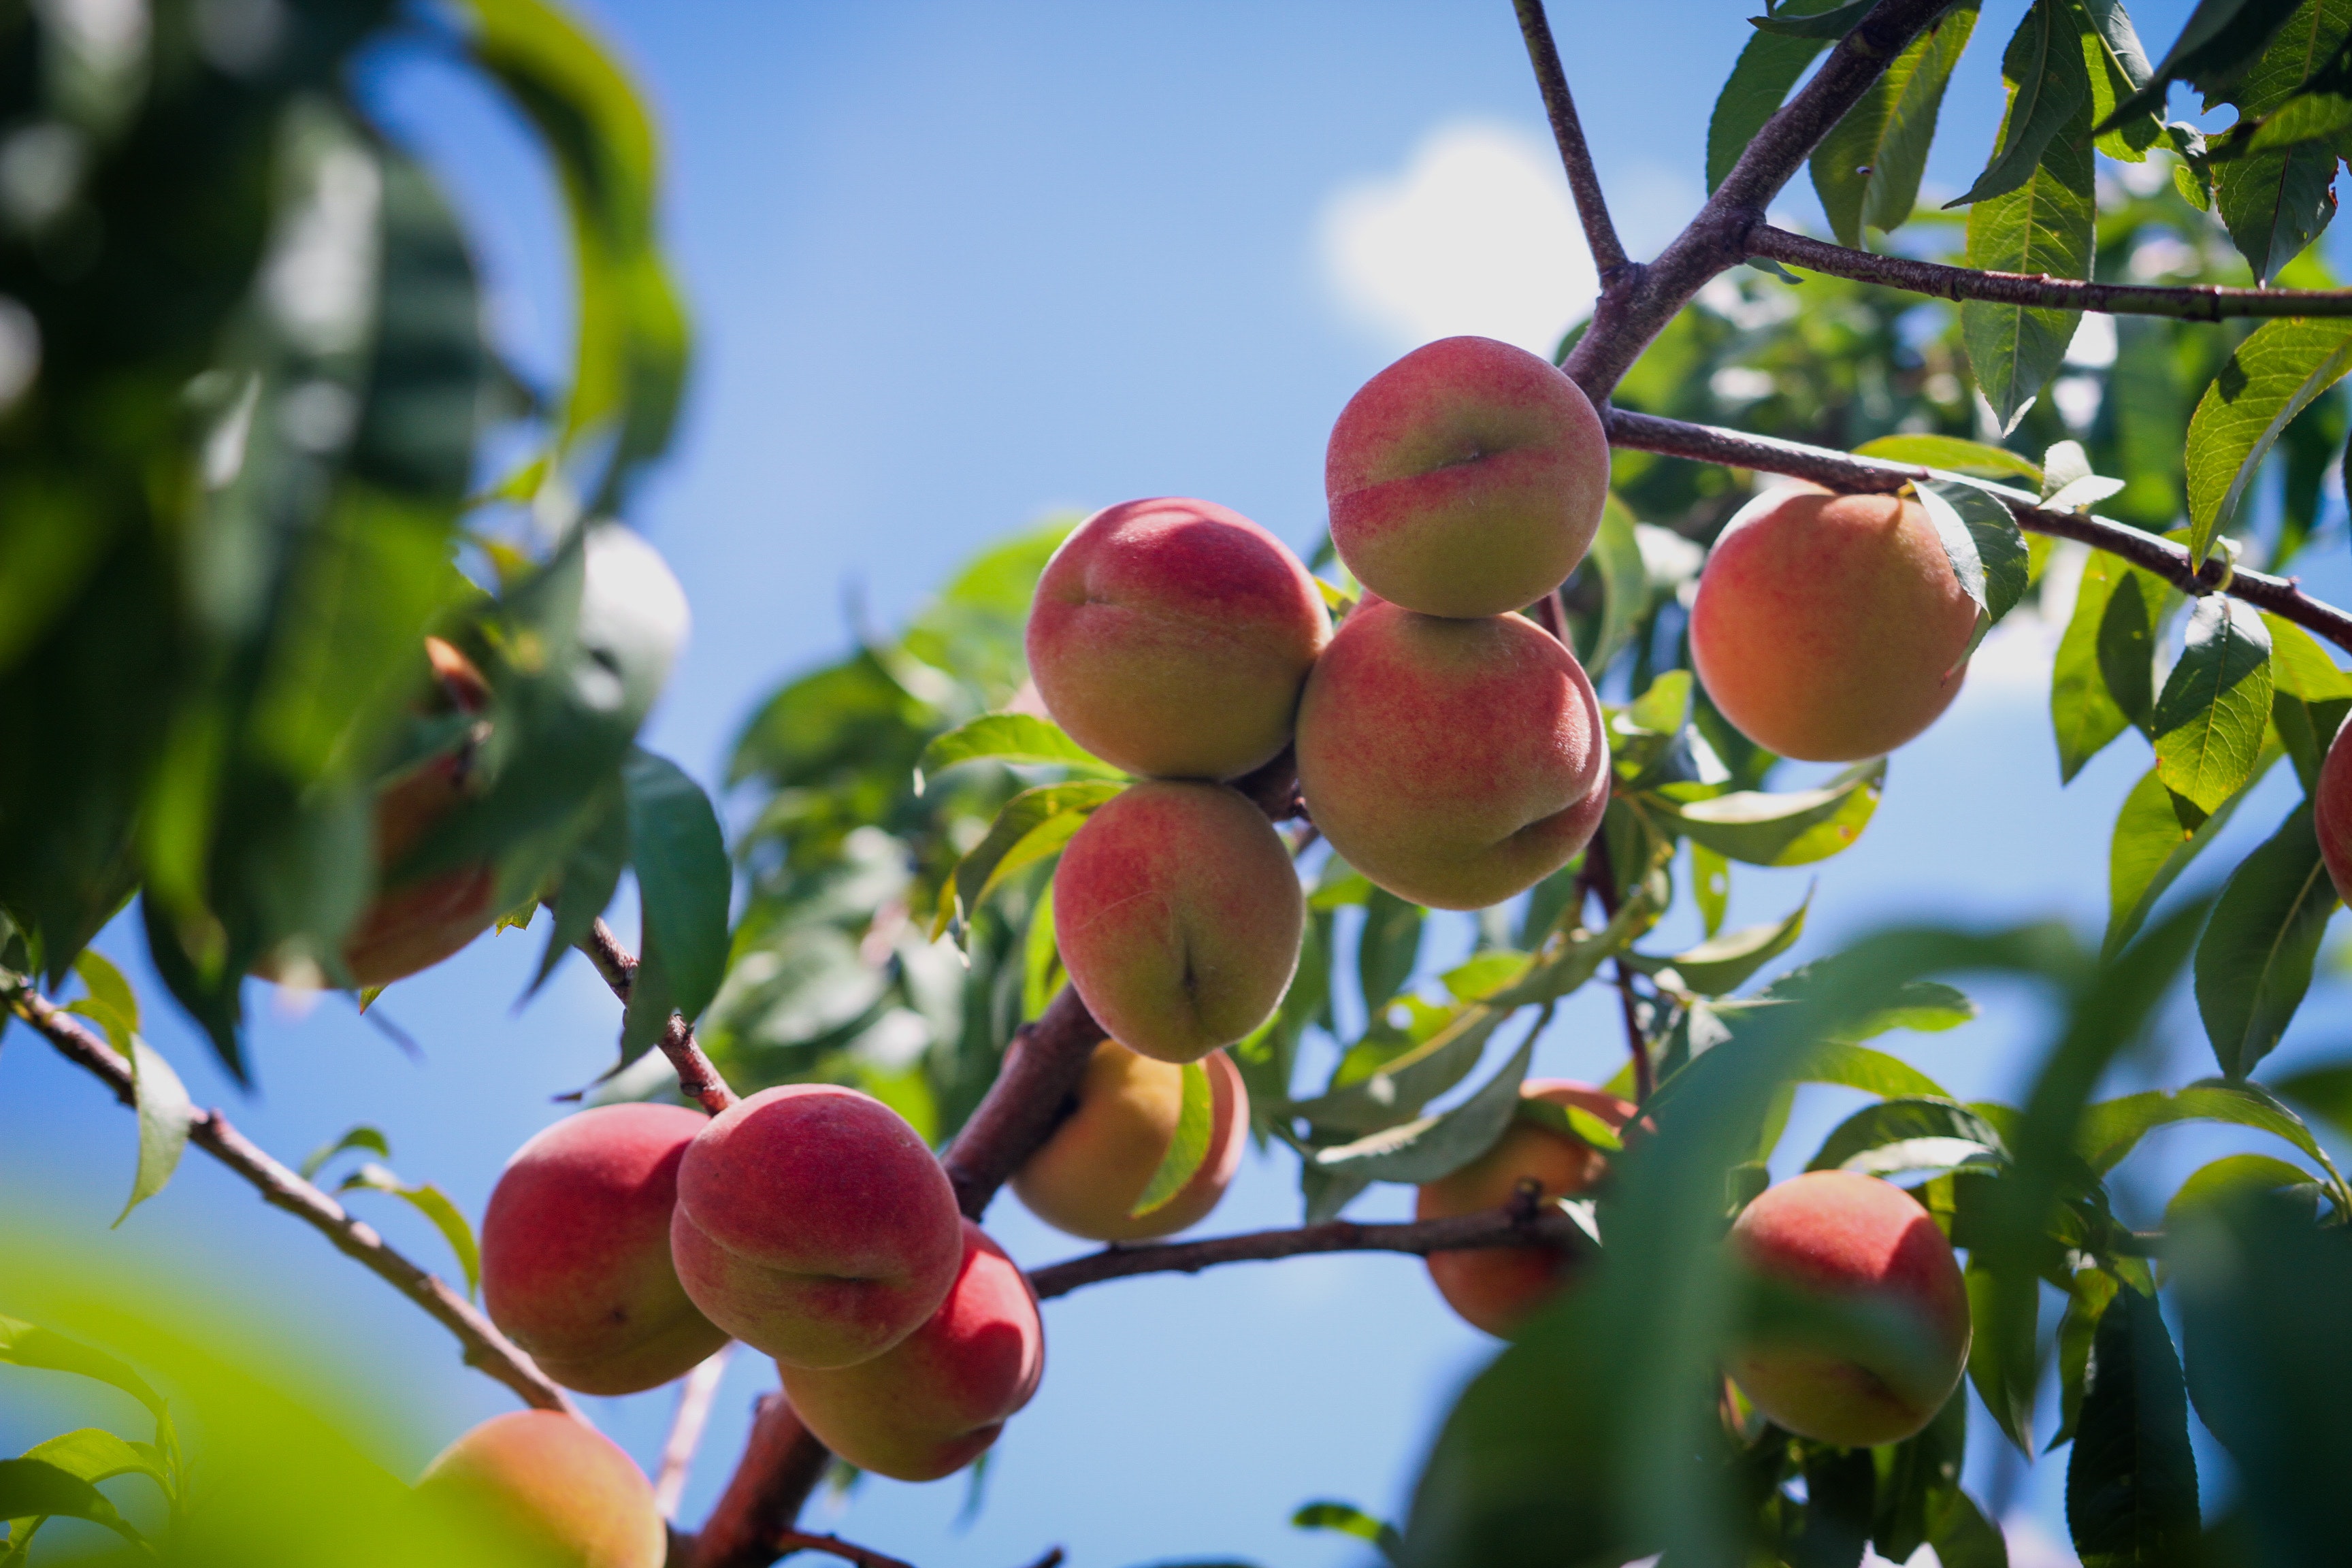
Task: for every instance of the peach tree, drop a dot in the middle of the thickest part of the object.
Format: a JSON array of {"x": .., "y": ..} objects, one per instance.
[{"x": 1066, "y": 883}]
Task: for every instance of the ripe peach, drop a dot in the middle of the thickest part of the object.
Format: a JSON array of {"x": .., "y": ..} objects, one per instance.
[
  {"x": 930, "y": 1405},
  {"x": 1855, "y": 1240},
  {"x": 2332, "y": 813},
  {"x": 1178, "y": 917},
  {"x": 575, "y": 1250},
  {"x": 813, "y": 1223},
  {"x": 1454, "y": 763},
  {"x": 1467, "y": 479},
  {"x": 1496, "y": 1287},
  {"x": 1169, "y": 638},
  {"x": 1830, "y": 629},
  {"x": 558, "y": 1493},
  {"x": 1095, "y": 1165}
]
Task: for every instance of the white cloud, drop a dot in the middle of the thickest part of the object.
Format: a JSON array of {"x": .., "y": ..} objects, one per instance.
[{"x": 1475, "y": 234}]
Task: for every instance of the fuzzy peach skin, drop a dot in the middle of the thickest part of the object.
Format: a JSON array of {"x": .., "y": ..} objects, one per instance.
[
  {"x": 1830, "y": 629},
  {"x": 1170, "y": 637},
  {"x": 1844, "y": 1236},
  {"x": 556, "y": 1492},
  {"x": 1088, "y": 1174},
  {"x": 1494, "y": 1287},
  {"x": 931, "y": 1405},
  {"x": 575, "y": 1250},
  {"x": 2332, "y": 813},
  {"x": 1467, "y": 479},
  {"x": 1178, "y": 917},
  {"x": 1454, "y": 762},
  {"x": 813, "y": 1225}
]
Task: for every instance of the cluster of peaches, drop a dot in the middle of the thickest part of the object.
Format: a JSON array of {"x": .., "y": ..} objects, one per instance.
[{"x": 1449, "y": 748}]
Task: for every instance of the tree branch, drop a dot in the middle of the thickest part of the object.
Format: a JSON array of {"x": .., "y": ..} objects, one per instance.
[
  {"x": 781, "y": 1464},
  {"x": 1933, "y": 278},
  {"x": 2282, "y": 596},
  {"x": 1624, "y": 323},
  {"x": 487, "y": 1350},
  {"x": 697, "y": 1079},
  {"x": 1496, "y": 1227},
  {"x": 1608, "y": 257},
  {"x": 1042, "y": 1072}
]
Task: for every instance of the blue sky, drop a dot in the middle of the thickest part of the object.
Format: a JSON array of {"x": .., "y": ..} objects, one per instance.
[{"x": 953, "y": 265}]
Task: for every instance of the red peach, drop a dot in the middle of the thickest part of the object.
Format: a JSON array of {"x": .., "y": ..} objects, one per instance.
[
  {"x": 1843, "y": 1237},
  {"x": 2332, "y": 813},
  {"x": 1454, "y": 763},
  {"x": 1830, "y": 629},
  {"x": 1467, "y": 479},
  {"x": 1496, "y": 1287},
  {"x": 933, "y": 1403},
  {"x": 1087, "y": 1176},
  {"x": 1169, "y": 638},
  {"x": 575, "y": 1250},
  {"x": 1178, "y": 917},
  {"x": 814, "y": 1224},
  {"x": 555, "y": 1491}
]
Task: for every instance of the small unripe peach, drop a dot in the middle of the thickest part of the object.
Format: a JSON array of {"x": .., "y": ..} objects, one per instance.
[
  {"x": 814, "y": 1224},
  {"x": 1830, "y": 629},
  {"x": 1454, "y": 763},
  {"x": 1851, "y": 1241},
  {"x": 1178, "y": 917},
  {"x": 575, "y": 1251},
  {"x": 2332, "y": 813},
  {"x": 933, "y": 1403},
  {"x": 1169, "y": 638},
  {"x": 1465, "y": 480},
  {"x": 1087, "y": 1176},
  {"x": 554, "y": 1492},
  {"x": 1496, "y": 1287}
]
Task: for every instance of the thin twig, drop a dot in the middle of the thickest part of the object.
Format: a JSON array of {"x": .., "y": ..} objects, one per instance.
[
  {"x": 2282, "y": 596},
  {"x": 697, "y": 1079},
  {"x": 686, "y": 1429},
  {"x": 848, "y": 1552},
  {"x": 486, "y": 1349},
  {"x": 2197, "y": 303},
  {"x": 1608, "y": 258},
  {"x": 1496, "y": 1227}
]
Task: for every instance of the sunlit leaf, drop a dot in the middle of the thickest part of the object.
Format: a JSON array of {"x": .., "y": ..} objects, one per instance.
[
  {"x": 1768, "y": 65},
  {"x": 2253, "y": 964},
  {"x": 1954, "y": 454},
  {"x": 1866, "y": 170},
  {"x": 1188, "y": 1148},
  {"x": 2269, "y": 379},
  {"x": 434, "y": 1204},
  {"x": 2215, "y": 707},
  {"x": 1787, "y": 829}
]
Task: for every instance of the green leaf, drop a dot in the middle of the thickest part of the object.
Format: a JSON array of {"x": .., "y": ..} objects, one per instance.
[
  {"x": 1852, "y": 1066},
  {"x": 2087, "y": 1296},
  {"x": 27, "y": 1344},
  {"x": 2131, "y": 1485},
  {"x": 1031, "y": 826},
  {"x": 588, "y": 877},
  {"x": 2276, "y": 197},
  {"x": 2253, "y": 963},
  {"x": 2228, "y": 1176},
  {"x": 2111, "y": 1128},
  {"x": 2327, "y": 1090},
  {"x": 1616, "y": 558},
  {"x": 1866, "y": 170},
  {"x": 1576, "y": 956},
  {"x": 1929, "y": 1007},
  {"x": 359, "y": 1137},
  {"x": 1795, "y": 828},
  {"x": 2151, "y": 848},
  {"x": 2216, "y": 704},
  {"x": 1963, "y": 1538},
  {"x": 1768, "y": 65},
  {"x": 2219, "y": 42},
  {"x": 434, "y": 1204},
  {"x": 1398, "y": 1089},
  {"x": 2003, "y": 1306},
  {"x": 1910, "y": 1134},
  {"x": 1388, "y": 948},
  {"x": 30, "y": 1487},
  {"x": 1042, "y": 974},
  {"x": 1195, "y": 1120},
  {"x": 2034, "y": 212},
  {"x": 2273, "y": 376},
  {"x": 1710, "y": 882},
  {"x": 1485, "y": 973},
  {"x": 2104, "y": 678},
  {"x": 165, "y": 1116},
  {"x": 1570, "y": 1121},
  {"x": 1953, "y": 454},
  {"x": 1986, "y": 547},
  {"x": 1002, "y": 738},
  {"x": 95, "y": 1455},
  {"x": 1724, "y": 963},
  {"x": 2307, "y": 117},
  {"x": 1429, "y": 1147},
  {"x": 684, "y": 878},
  {"x": 2049, "y": 101},
  {"x": 110, "y": 989},
  {"x": 2301, "y": 668},
  {"x": 1919, "y": 1478},
  {"x": 2119, "y": 68},
  {"x": 1346, "y": 1519}
]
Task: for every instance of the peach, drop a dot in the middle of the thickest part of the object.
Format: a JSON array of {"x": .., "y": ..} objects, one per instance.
[
  {"x": 1830, "y": 629},
  {"x": 557, "y": 1492},
  {"x": 1843, "y": 1237},
  {"x": 1089, "y": 1173},
  {"x": 1467, "y": 479},
  {"x": 1178, "y": 917},
  {"x": 2332, "y": 813},
  {"x": 933, "y": 1403},
  {"x": 575, "y": 1250},
  {"x": 1454, "y": 763},
  {"x": 1169, "y": 638},
  {"x": 1496, "y": 1287},
  {"x": 814, "y": 1224}
]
